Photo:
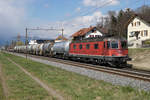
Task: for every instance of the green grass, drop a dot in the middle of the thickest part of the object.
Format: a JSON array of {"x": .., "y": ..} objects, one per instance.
[
  {"x": 1, "y": 92},
  {"x": 21, "y": 86},
  {"x": 78, "y": 87},
  {"x": 135, "y": 51}
]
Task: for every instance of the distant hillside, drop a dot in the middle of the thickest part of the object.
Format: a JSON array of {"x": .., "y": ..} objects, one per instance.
[
  {"x": 23, "y": 38},
  {"x": 140, "y": 58}
]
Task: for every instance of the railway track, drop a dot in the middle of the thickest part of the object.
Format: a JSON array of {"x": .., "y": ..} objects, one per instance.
[{"x": 126, "y": 72}]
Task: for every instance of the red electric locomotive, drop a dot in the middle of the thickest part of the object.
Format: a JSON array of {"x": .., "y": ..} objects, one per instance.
[{"x": 112, "y": 51}]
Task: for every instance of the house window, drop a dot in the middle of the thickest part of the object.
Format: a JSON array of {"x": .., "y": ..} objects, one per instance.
[
  {"x": 87, "y": 46},
  {"x": 91, "y": 36},
  {"x": 138, "y": 23},
  {"x": 135, "y": 23},
  {"x": 80, "y": 46},
  {"x": 131, "y": 34},
  {"x": 141, "y": 33},
  {"x": 97, "y": 35},
  {"x": 145, "y": 33},
  {"x": 132, "y": 24},
  {"x": 95, "y": 46}
]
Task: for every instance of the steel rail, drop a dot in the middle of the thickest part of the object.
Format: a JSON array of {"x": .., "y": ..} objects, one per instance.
[{"x": 135, "y": 74}]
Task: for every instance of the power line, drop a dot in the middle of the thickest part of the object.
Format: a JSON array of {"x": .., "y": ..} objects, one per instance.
[
  {"x": 89, "y": 11},
  {"x": 105, "y": 4}
]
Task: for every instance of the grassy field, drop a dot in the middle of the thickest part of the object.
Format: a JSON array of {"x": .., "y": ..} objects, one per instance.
[
  {"x": 21, "y": 86},
  {"x": 76, "y": 87},
  {"x": 140, "y": 58},
  {"x": 135, "y": 51},
  {"x": 1, "y": 92}
]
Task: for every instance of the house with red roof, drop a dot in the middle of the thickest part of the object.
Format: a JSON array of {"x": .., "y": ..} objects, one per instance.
[{"x": 90, "y": 32}]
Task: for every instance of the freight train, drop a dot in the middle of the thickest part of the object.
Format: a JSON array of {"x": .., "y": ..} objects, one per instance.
[{"x": 107, "y": 50}]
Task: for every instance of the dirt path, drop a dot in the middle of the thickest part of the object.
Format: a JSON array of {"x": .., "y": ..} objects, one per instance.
[
  {"x": 3, "y": 82},
  {"x": 46, "y": 87}
]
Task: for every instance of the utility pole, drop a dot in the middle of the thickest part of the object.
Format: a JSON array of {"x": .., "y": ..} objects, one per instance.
[
  {"x": 62, "y": 32},
  {"x": 26, "y": 41},
  {"x": 18, "y": 38}
]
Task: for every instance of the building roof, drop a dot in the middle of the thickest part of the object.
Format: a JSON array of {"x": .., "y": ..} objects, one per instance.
[
  {"x": 140, "y": 18},
  {"x": 60, "y": 37},
  {"x": 83, "y": 31}
]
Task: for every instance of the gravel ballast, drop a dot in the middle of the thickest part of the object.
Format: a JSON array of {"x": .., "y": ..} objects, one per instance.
[{"x": 111, "y": 78}]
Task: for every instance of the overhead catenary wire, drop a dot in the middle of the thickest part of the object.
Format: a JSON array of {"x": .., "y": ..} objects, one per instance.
[{"x": 89, "y": 11}]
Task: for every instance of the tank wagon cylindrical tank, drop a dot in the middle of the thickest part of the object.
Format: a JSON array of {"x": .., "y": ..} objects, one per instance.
[
  {"x": 15, "y": 49},
  {"x": 37, "y": 49},
  {"x": 20, "y": 49},
  {"x": 47, "y": 49},
  {"x": 31, "y": 52},
  {"x": 40, "y": 49},
  {"x": 34, "y": 49},
  {"x": 24, "y": 49},
  {"x": 29, "y": 48},
  {"x": 61, "y": 48}
]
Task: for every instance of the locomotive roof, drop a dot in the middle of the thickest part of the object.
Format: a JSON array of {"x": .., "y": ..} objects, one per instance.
[{"x": 98, "y": 39}]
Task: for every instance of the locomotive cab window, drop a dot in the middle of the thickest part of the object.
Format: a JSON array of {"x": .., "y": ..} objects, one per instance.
[
  {"x": 80, "y": 46},
  {"x": 74, "y": 46},
  {"x": 114, "y": 44},
  {"x": 124, "y": 44},
  {"x": 87, "y": 46},
  {"x": 95, "y": 46}
]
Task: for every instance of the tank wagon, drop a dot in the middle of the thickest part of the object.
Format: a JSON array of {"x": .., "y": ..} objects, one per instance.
[
  {"x": 106, "y": 50},
  {"x": 47, "y": 49},
  {"x": 61, "y": 49},
  {"x": 40, "y": 49}
]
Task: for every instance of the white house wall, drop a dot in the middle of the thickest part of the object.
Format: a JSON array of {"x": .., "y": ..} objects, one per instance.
[
  {"x": 94, "y": 34},
  {"x": 143, "y": 26}
]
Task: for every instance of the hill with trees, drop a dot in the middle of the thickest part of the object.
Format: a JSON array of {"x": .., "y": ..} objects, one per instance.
[{"x": 117, "y": 23}]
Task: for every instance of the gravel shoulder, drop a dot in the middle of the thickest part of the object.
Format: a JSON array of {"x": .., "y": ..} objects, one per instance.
[
  {"x": 87, "y": 85},
  {"x": 114, "y": 79},
  {"x": 140, "y": 58}
]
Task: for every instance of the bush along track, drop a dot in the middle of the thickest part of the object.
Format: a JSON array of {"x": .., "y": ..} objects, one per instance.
[
  {"x": 21, "y": 86},
  {"x": 77, "y": 87}
]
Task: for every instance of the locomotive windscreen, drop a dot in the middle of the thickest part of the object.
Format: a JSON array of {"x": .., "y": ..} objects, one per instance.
[{"x": 114, "y": 44}]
